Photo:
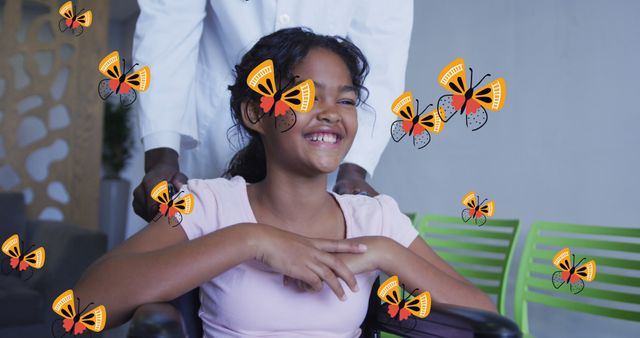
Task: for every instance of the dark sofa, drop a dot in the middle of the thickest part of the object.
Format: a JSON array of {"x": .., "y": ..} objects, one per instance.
[{"x": 25, "y": 306}]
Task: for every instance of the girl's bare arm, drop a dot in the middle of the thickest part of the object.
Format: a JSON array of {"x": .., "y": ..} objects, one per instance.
[
  {"x": 417, "y": 267},
  {"x": 420, "y": 267},
  {"x": 159, "y": 264}
]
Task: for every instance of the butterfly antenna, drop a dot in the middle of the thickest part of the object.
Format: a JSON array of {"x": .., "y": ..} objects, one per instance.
[
  {"x": 417, "y": 105},
  {"x": 414, "y": 290},
  {"x": 580, "y": 261},
  {"x": 85, "y": 308},
  {"x": 177, "y": 195},
  {"x": 135, "y": 64},
  {"x": 290, "y": 81},
  {"x": 479, "y": 82},
  {"x": 427, "y": 107},
  {"x": 484, "y": 200}
]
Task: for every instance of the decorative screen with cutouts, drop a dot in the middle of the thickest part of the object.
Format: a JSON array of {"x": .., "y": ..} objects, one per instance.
[{"x": 50, "y": 112}]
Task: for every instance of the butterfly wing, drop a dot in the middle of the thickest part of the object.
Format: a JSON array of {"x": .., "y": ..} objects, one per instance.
[
  {"x": 96, "y": 319},
  {"x": 397, "y": 131},
  {"x": 64, "y": 305},
  {"x": 285, "y": 122},
  {"x": 11, "y": 247},
  {"x": 488, "y": 209},
  {"x": 492, "y": 96},
  {"x": 301, "y": 97},
  {"x": 466, "y": 214},
  {"x": 431, "y": 121},
  {"x": 110, "y": 65},
  {"x": 576, "y": 287},
  {"x": 184, "y": 204},
  {"x": 128, "y": 98},
  {"x": 139, "y": 80},
  {"x": 419, "y": 306},
  {"x": 587, "y": 271},
  {"x": 481, "y": 220},
  {"x": 557, "y": 280},
  {"x": 160, "y": 193},
  {"x": 446, "y": 108},
  {"x": 35, "y": 258},
  {"x": 66, "y": 10},
  {"x": 469, "y": 200},
  {"x": 78, "y": 30},
  {"x": 104, "y": 90},
  {"x": 262, "y": 79},
  {"x": 403, "y": 106},
  {"x": 389, "y": 291},
  {"x": 562, "y": 259},
  {"x": 421, "y": 140},
  {"x": 477, "y": 119},
  {"x": 453, "y": 77},
  {"x": 85, "y": 19}
]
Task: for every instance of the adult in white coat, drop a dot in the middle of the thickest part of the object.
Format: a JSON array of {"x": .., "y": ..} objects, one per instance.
[{"x": 191, "y": 47}]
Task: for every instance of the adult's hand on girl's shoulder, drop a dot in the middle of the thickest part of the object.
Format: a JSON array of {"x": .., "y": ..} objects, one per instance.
[
  {"x": 160, "y": 164},
  {"x": 351, "y": 179},
  {"x": 309, "y": 260}
]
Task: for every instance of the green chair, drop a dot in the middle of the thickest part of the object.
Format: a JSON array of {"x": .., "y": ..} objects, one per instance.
[
  {"x": 601, "y": 244},
  {"x": 481, "y": 254}
]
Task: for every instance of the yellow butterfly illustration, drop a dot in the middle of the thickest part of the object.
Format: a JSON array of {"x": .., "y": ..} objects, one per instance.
[
  {"x": 74, "y": 321},
  {"x": 465, "y": 99},
  {"x": 21, "y": 260},
  {"x": 277, "y": 103}
]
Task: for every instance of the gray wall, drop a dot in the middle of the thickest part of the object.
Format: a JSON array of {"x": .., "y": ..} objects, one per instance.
[
  {"x": 565, "y": 145},
  {"x": 563, "y": 148}
]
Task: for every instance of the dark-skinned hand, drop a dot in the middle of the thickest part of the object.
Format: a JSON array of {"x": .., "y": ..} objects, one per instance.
[
  {"x": 351, "y": 180},
  {"x": 160, "y": 164}
]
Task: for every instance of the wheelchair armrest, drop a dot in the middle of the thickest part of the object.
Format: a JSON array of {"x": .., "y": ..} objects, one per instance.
[
  {"x": 447, "y": 320},
  {"x": 157, "y": 320}
]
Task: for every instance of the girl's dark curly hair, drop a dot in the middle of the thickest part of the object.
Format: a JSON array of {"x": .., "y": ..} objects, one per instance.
[{"x": 286, "y": 47}]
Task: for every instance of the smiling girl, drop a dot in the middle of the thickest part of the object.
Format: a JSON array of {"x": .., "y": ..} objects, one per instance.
[{"x": 268, "y": 245}]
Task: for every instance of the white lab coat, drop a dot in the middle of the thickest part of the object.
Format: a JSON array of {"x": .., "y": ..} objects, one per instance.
[{"x": 191, "y": 47}]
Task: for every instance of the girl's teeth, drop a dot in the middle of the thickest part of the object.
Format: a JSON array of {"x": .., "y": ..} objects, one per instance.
[{"x": 325, "y": 138}]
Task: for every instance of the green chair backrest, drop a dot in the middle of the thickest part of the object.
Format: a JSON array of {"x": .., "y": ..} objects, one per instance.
[
  {"x": 481, "y": 254},
  {"x": 601, "y": 244}
]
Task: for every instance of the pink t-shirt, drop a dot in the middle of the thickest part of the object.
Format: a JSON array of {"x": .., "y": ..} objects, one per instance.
[{"x": 250, "y": 299}]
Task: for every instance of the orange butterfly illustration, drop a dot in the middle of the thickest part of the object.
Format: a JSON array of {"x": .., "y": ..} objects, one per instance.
[
  {"x": 124, "y": 84},
  {"x": 477, "y": 210},
  {"x": 74, "y": 20},
  {"x": 572, "y": 273},
  {"x": 74, "y": 321},
  {"x": 467, "y": 99},
  {"x": 281, "y": 104},
  {"x": 21, "y": 260},
  {"x": 174, "y": 207},
  {"x": 413, "y": 124},
  {"x": 401, "y": 308}
]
